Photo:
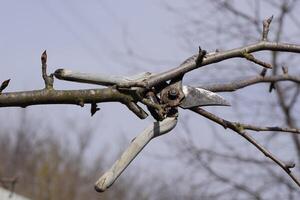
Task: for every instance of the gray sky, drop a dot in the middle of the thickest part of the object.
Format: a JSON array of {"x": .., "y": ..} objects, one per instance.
[
  {"x": 91, "y": 36},
  {"x": 113, "y": 37}
]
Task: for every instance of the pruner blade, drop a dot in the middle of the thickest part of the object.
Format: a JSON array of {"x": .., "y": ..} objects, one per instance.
[{"x": 200, "y": 97}]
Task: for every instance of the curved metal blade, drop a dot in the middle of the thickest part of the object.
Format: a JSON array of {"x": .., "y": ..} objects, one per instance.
[{"x": 199, "y": 97}]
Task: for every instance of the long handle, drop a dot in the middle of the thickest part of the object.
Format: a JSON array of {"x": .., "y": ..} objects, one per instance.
[
  {"x": 99, "y": 79},
  {"x": 154, "y": 130}
]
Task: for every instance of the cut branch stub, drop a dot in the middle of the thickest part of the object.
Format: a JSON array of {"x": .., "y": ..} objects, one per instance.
[
  {"x": 200, "y": 57},
  {"x": 47, "y": 79}
]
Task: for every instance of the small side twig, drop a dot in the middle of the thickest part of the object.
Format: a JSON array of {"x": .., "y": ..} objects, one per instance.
[
  {"x": 241, "y": 131},
  {"x": 266, "y": 28},
  {"x": 240, "y": 84},
  {"x": 268, "y": 128},
  {"x": 47, "y": 79},
  {"x": 251, "y": 58}
]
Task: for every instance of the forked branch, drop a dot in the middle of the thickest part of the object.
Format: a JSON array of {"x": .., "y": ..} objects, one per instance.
[{"x": 240, "y": 129}]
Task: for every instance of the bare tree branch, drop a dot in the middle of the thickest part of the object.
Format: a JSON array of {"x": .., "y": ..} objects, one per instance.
[
  {"x": 270, "y": 128},
  {"x": 136, "y": 91},
  {"x": 239, "y": 84},
  {"x": 210, "y": 58},
  {"x": 24, "y": 99},
  {"x": 251, "y": 58},
  {"x": 38, "y": 97},
  {"x": 240, "y": 130}
]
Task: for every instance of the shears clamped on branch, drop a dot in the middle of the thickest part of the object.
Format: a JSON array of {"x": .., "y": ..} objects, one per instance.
[{"x": 169, "y": 95}]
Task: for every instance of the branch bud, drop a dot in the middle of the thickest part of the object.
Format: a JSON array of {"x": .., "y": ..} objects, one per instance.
[
  {"x": 44, "y": 57},
  {"x": 4, "y": 85}
]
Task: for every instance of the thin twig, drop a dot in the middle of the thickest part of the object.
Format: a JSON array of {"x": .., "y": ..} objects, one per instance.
[
  {"x": 269, "y": 128},
  {"x": 251, "y": 58},
  {"x": 239, "y": 84},
  {"x": 243, "y": 133}
]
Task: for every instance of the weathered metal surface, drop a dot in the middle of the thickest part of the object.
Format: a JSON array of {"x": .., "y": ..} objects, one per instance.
[
  {"x": 99, "y": 79},
  {"x": 137, "y": 144},
  {"x": 199, "y": 97},
  {"x": 172, "y": 94}
]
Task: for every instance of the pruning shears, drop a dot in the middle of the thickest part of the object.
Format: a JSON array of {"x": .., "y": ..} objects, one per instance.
[{"x": 169, "y": 95}]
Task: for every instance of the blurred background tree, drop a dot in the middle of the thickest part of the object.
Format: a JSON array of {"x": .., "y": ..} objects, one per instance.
[
  {"x": 227, "y": 167},
  {"x": 47, "y": 167}
]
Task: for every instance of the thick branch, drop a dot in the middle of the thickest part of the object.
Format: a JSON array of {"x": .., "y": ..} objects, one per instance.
[
  {"x": 190, "y": 63},
  {"x": 77, "y": 97}
]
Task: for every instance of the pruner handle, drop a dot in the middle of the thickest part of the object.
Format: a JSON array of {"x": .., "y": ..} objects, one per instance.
[
  {"x": 98, "y": 79},
  {"x": 137, "y": 144}
]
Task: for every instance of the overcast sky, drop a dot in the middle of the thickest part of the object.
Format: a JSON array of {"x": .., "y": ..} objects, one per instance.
[
  {"x": 92, "y": 36},
  {"x": 113, "y": 37}
]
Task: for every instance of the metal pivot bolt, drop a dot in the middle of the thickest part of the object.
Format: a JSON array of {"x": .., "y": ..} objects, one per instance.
[{"x": 173, "y": 93}]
